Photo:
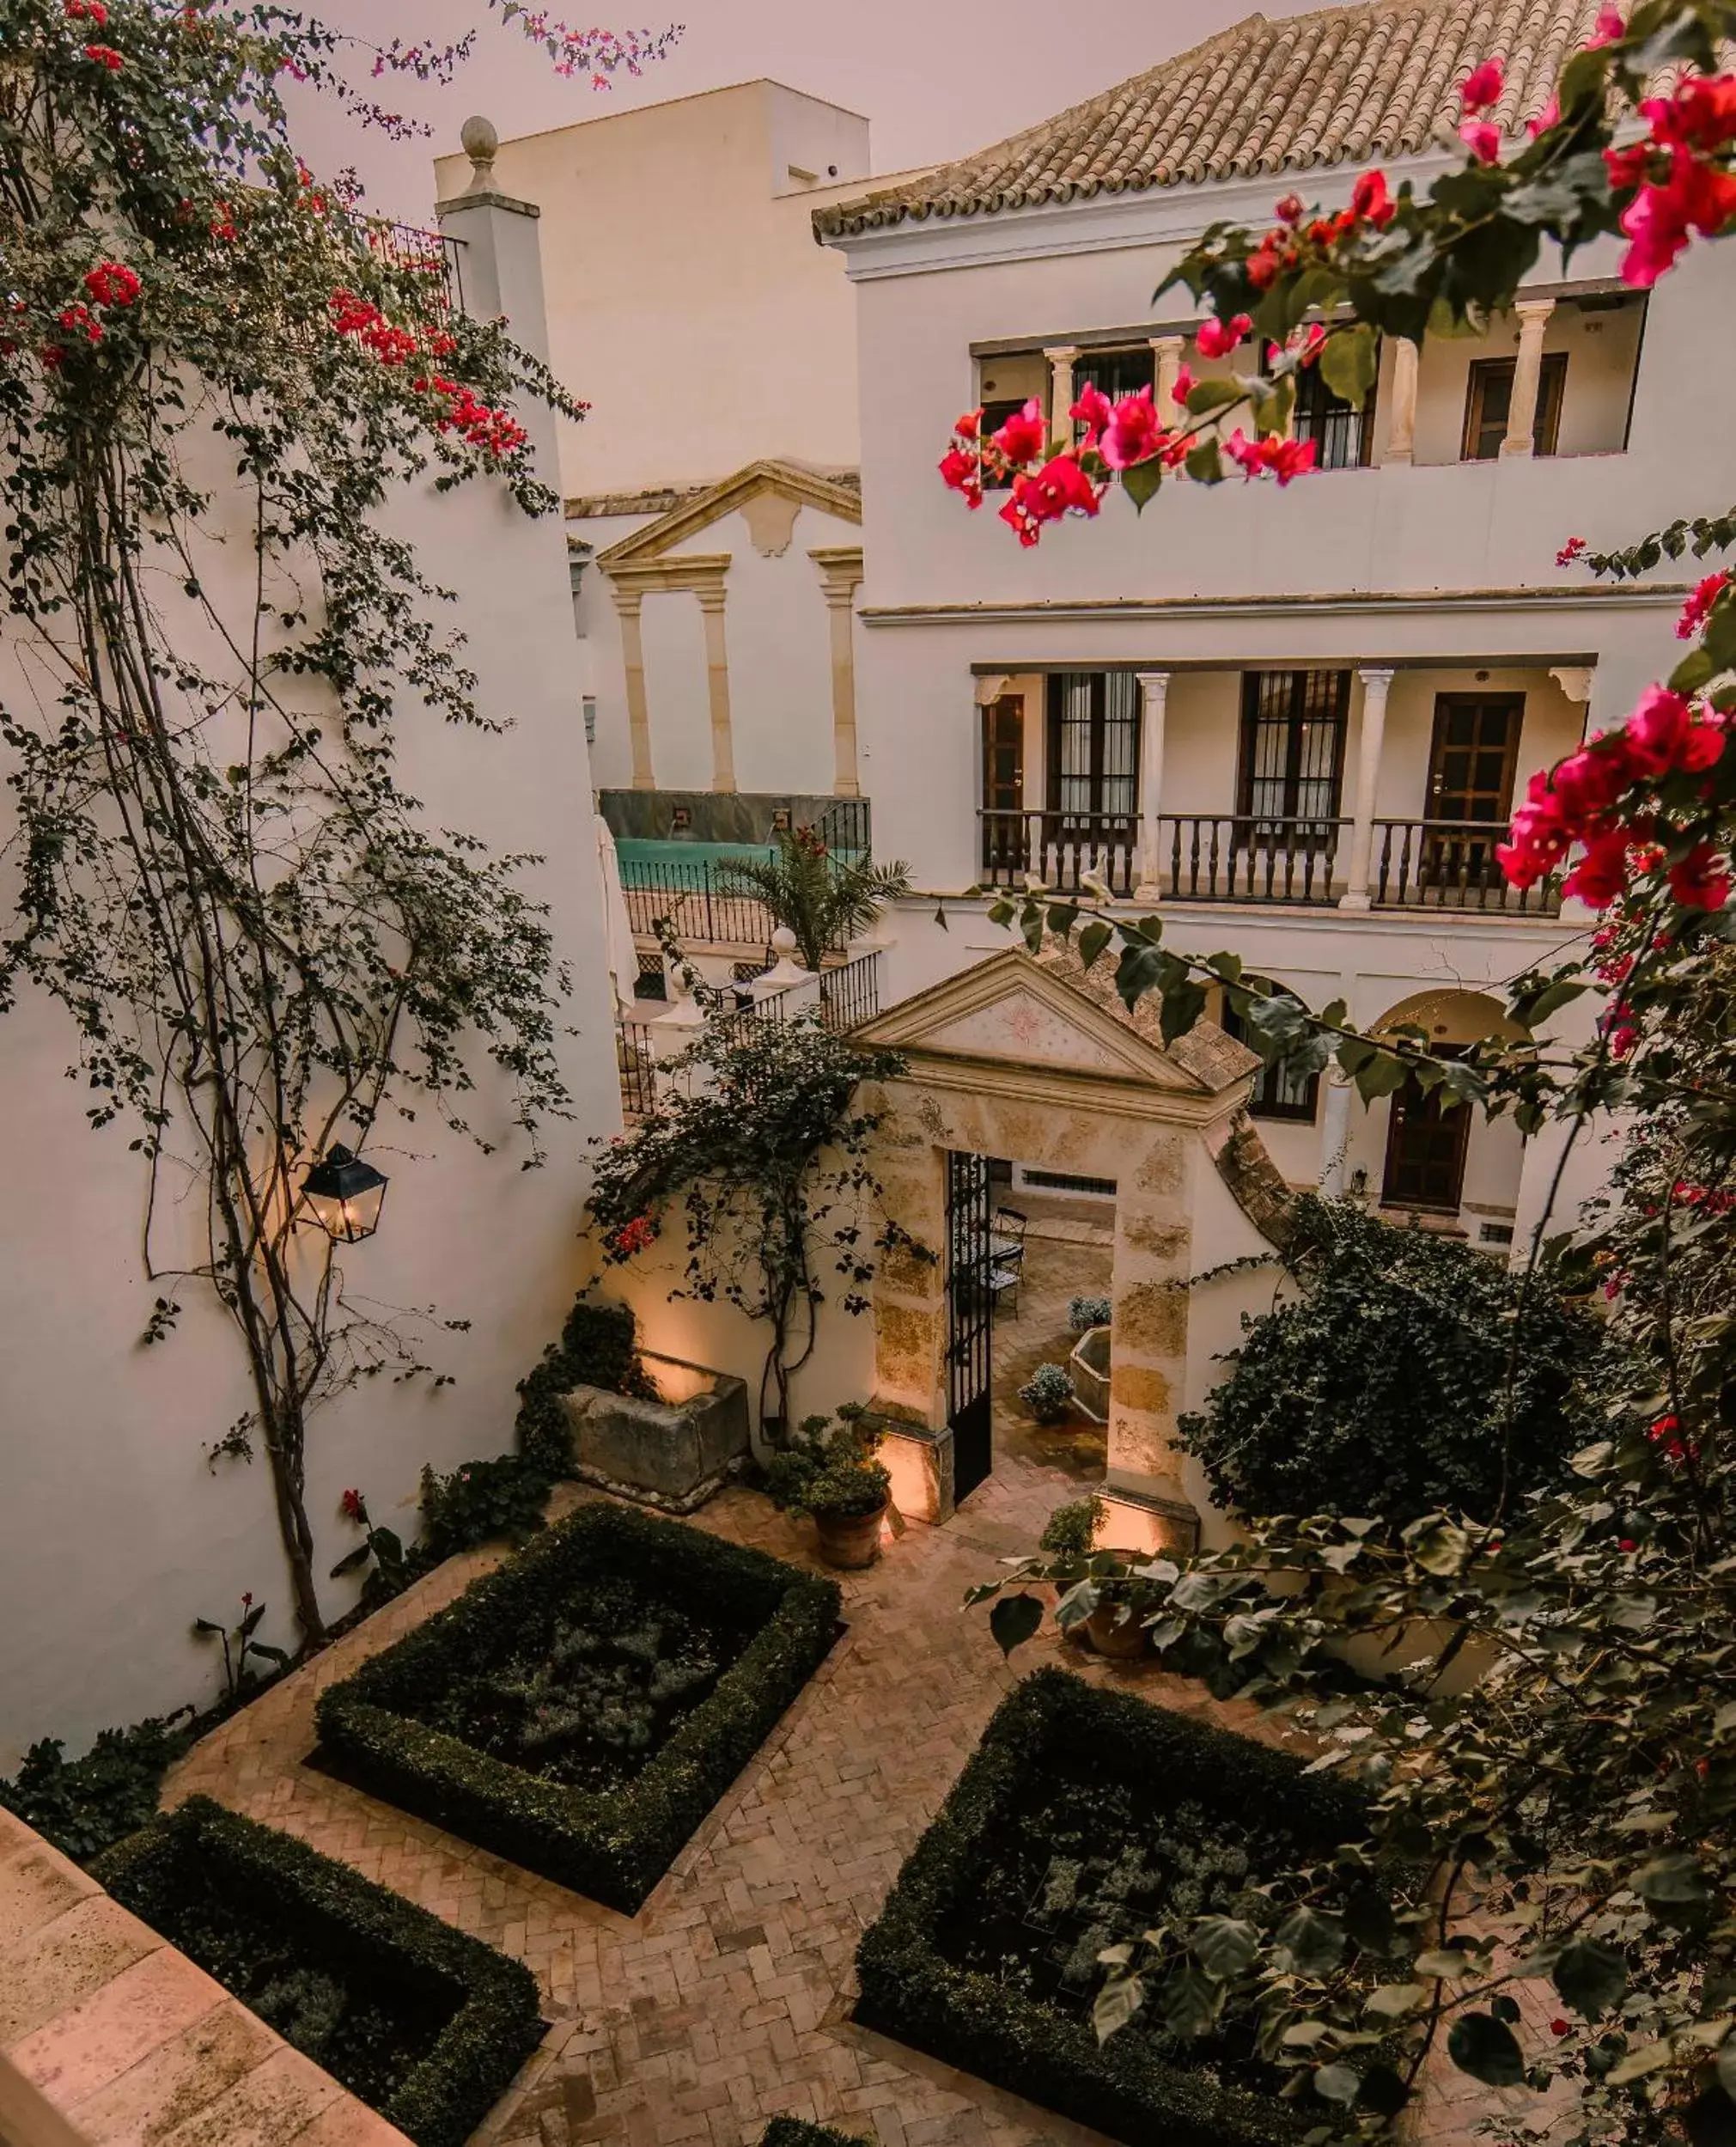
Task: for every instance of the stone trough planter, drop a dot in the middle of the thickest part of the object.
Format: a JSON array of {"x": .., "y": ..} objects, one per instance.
[{"x": 673, "y": 1453}]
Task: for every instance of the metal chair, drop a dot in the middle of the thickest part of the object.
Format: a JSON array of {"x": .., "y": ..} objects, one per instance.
[
  {"x": 1005, "y": 1273},
  {"x": 1007, "y": 1232}
]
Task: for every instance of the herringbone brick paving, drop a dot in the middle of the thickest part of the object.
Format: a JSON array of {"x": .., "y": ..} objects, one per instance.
[{"x": 726, "y": 1999}]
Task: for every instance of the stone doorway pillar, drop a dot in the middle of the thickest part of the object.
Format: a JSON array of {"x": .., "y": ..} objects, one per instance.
[{"x": 1147, "y": 1388}]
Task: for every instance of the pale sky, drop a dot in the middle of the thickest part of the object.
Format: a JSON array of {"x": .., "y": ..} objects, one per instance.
[{"x": 935, "y": 78}]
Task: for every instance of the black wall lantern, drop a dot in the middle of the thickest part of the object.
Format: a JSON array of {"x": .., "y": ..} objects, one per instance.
[{"x": 345, "y": 1195}]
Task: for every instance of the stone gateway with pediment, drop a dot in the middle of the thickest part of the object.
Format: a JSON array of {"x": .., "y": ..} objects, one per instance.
[{"x": 1037, "y": 1061}]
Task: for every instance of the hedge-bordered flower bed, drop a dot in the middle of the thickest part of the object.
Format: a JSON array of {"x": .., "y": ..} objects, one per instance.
[
  {"x": 613, "y": 1845},
  {"x": 1053, "y": 1722},
  {"x": 795, "y": 2131},
  {"x": 448, "y": 2020}
]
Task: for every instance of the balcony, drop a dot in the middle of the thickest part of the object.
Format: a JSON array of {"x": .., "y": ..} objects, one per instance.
[{"x": 1417, "y": 864}]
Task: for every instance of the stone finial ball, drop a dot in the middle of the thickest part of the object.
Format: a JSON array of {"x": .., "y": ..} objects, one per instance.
[
  {"x": 785, "y": 941},
  {"x": 480, "y": 140}
]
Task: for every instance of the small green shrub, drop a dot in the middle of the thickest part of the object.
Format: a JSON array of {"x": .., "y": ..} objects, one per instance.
[
  {"x": 598, "y": 1347},
  {"x": 829, "y": 1469},
  {"x": 795, "y": 2131},
  {"x": 770, "y": 1624},
  {"x": 1072, "y": 1529},
  {"x": 1080, "y": 1812},
  {"x": 1048, "y": 1394},
  {"x": 1382, "y": 1388},
  {"x": 1085, "y": 1313},
  {"x": 478, "y": 1501},
  {"x": 84, "y": 1805},
  {"x": 424, "y": 2024}
]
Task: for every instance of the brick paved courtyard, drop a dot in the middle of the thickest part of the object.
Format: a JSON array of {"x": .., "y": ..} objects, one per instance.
[{"x": 726, "y": 1999}]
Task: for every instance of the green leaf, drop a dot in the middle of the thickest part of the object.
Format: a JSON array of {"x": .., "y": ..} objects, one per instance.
[
  {"x": 1505, "y": 2008},
  {"x": 1204, "y": 463},
  {"x": 1369, "y": 1920},
  {"x": 1183, "y": 1005},
  {"x": 1550, "y": 1001},
  {"x": 1078, "y": 1604},
  {"x": 1115, "y": 2004},
  {"x": 1485, "y": 2048},
  {"x": 1440, "y": 1548},
  {"x": 349, "y": 1561},
  {"x": 1693, "y": 671},
  {"x": 1013, "y": 1619},
  {"x": 1590, "y": 1977},
  {"x": 386, "y": 1546},
  {"x": 1392, "y": 2001},
  {"x": 206, "y": 1625},
  {"x": 1338, "y": 2083},
  {"x": 279, "y": 1655},
  {"x": 1444, "y": 1963},
  {"x": 1310, "y": 1943},
  {"x": 1380, "y": 1075},
  {"x": 1190, "y": 2003},
  {"x": 1349, "y": 359},
  {"x": 1225, "y": 1945},
  {"x": 1671, "y": 1880},
  {"x": 1141, "y": 481},
  {"x": 1093, "y": 940},
  {"x": 1213, "y": 394}
]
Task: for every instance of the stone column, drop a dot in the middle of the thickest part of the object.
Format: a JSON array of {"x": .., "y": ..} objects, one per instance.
[
  {"x": 1152, "y": 1259},
  {"x": 499, "y": 266},
  {"x": 711, "y": 602},
  {"x": 1374, "y": 687},
  {"x": 840, "y": 572},
  {"x": 1335, "y": 1135},
  {"x": 910, "y": 1287},
  {"x": 1166, "y": 354},
  {"x": 627, "y": 605},
  {"x": 1061, "y": 359},
  {"x": 1153, "y": 689},
  {"x": 1527, "y": 372},
  {"x": 1401, "y": 426},
  {"x": 793, "y": 987}
]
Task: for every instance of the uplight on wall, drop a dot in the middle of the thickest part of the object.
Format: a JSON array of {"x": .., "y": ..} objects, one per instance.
[{"x": 345, "y": 1195}]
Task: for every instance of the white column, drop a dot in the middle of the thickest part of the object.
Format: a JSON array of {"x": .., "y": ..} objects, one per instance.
[
  {"x": 627, "y": 605},
  {"x": 841, "y": 571},
  {"x": 1061, "y": 359},
  {"x": 1335, "y": 1133},
  {"x": 1401, "y": 428},
  {"x": 1154, "y": 688},
  {"x": 1527, "y": 372},
  {"x": 711, "y": 601},
  {"x": 1374, "y": 685},
  {"x": 1166, "y": 352}
]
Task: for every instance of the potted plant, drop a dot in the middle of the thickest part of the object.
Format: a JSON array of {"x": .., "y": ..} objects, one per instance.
[
  {"x": 1085, "y": 1313},
  {"x": 1105, "y": 1597},
  {"x": 828, "y": 1470},
  {"x": 1048, "y": 1394}
]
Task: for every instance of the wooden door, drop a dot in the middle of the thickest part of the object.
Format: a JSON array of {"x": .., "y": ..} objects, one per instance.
[
  {"x": 1004, "y": 785},
  {"x": 1471, "y": 769},
  {"x": 1426, "y": 1141}
]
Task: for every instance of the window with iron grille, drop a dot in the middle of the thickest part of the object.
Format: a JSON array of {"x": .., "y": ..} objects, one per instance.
[
  {"x": 1277, "y": 1094},
  {"x": 1117, "y": 373},
  {"x": 1293, "y": 753},
  {"x": 1094, "y": 744},
  {"x": 1343, "y": 435}
]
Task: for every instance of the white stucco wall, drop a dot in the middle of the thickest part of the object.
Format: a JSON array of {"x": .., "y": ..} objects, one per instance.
[
  {"x": 687, "y": 301},
  {"x": 113, "y": 1533}
]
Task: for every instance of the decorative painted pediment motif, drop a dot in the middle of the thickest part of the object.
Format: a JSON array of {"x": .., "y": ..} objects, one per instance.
[{"x": 768, "y": 495}]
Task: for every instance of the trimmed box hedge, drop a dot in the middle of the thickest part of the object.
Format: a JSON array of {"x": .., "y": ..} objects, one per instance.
[
  {"x": 1056, "y": 1724},
  {"x": 467, "y": 2017},
  {"x": 795, "y": 2131},
  {"x": 613, "y": 1845}
]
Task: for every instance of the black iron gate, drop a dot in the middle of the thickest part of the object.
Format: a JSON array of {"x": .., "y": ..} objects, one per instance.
[{"x": 970, "y": 1315}]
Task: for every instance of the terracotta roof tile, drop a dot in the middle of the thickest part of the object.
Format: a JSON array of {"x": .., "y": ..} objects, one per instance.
[{"x": 1377, "y": 79}]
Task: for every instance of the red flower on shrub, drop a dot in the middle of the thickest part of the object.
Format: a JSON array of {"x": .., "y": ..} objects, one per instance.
[
  {"x": 113, "y": 283},
  {"x": 352, "y": 1506},
  {"x": 633, "y": 1237},
  {"x": 105, "y": 56}
]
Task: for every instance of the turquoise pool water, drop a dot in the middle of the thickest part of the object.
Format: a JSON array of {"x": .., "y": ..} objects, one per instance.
[{"x": 647, "y": 850}]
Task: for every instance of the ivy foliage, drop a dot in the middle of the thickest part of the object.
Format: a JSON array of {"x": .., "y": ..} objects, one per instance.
[
  {"x": 84, "y": 1805},
  {"x": 1406, "y": 1374}
]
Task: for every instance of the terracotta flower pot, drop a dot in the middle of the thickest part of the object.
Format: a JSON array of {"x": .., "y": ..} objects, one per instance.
[
  {"x": 1112, "y": 1634},
  {"x": 850, "y": 1540}
]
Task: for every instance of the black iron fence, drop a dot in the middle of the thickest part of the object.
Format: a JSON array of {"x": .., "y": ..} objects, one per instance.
[
  {"x": 431, "y": 257},
  {"x": 1206, "y": 857},
  {"x": 636, "y": 1060},
  {"x": 701, "y": 909},
  {"x": 1451, "y": 864}
]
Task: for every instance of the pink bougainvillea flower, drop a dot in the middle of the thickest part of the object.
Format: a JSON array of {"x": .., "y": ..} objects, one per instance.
[
  {"x": 1602, "y": 874},
  {"x": 1570, "y": 551},
  {"x": 1135, "y": 433},
  {"x": 1482, "y": 86},
  {"x": 970, "y": 425},
  {"x": 1060, "y": 487},
  {"x": 1482, "y": 138},
  {"x": 1217, "y": 339},
  {"x": 1659, "y": 221},
  {"x": 963, "y": 473},
  {"x": 105, "y": 56},
  {"x": 1183, "y": 389},
  {"x": 1547, "y": 118},
  {"x": 1369, "y": 200},
  {"x": 1656, "y": 733},
  {"x": 1273, "y": 456},
  {"x": 1093, "y": 411},
  {"x": 1025, "y": 435},
  {"x": 1702, "y": 880},
  {"x": 113, "y": 283},
  {"x": 1606, "y": 29},
  {"x": 1698, "y": 608},
  {"x": 1291, "y": 209}
]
